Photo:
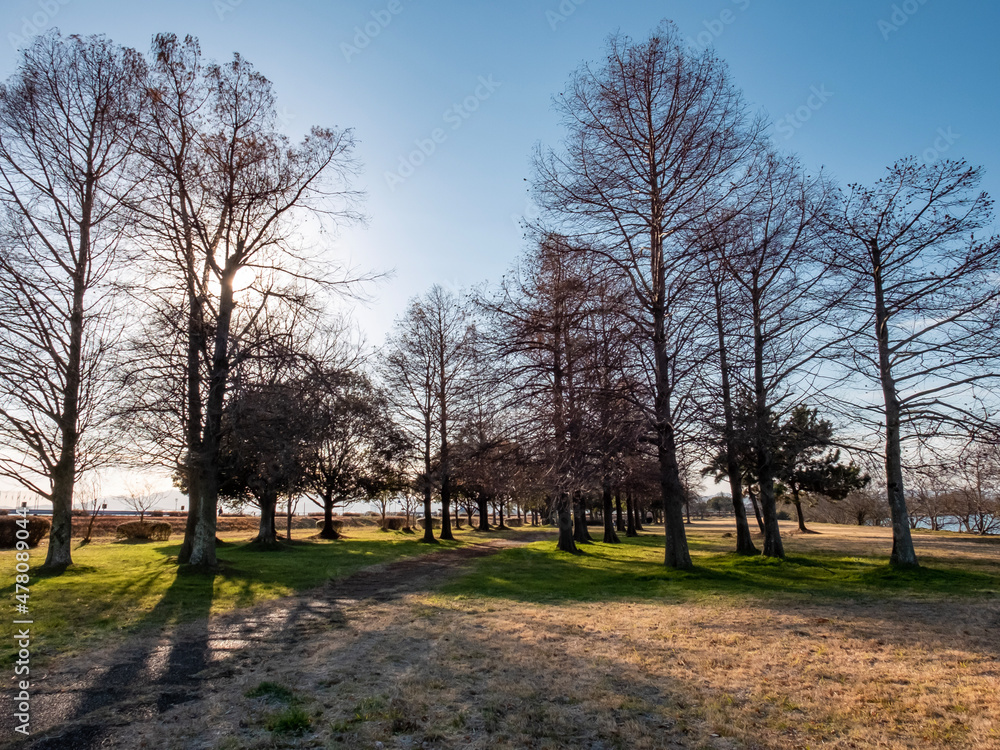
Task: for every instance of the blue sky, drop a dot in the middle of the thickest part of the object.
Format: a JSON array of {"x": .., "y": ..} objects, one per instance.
[
  {"x": 884, "y": 80},
  {"x": 851, "y": 85}
]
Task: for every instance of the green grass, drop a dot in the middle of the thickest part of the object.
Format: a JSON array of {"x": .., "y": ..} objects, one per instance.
[
  {"x": 271, "y": 691},
  {"x": 117, "y": 587},
  {"x": 634, "y": 570},
  {"x": 292, "y": 720}
]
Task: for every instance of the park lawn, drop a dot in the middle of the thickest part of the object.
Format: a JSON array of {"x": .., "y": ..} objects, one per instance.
[
  {"x": 634, "y": 571},
  {"x": 118, "y": 587},
  {"x": 533, "y": 648}
]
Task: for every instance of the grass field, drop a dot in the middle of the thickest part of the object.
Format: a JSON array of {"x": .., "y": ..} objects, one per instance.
[
  {"x": 117, "y": 587},
  {"x": 606, "y": 650}
]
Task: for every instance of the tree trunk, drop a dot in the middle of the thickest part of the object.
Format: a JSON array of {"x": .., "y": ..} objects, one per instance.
[
  {"x": 676, "y": 554},
  {"x": 267, "y": 534},
  {"x": 630, "y": 515},
  {"x": 59, "y": 554},
  {"x": 580, "y": 531},
  {"x": 798, "y": 511},
  {"x": 610, "y": 537},
  {"x": 193, "y": 465},
  {"x": 773, "y": 546},
  {"x": 203, "y": 548},
  {"x": 566, "y": 543},
  {"x": 903, "y": 554},
  {"x": 619, "y": 520},
  {"x": 328, "y": 532},
  {"x": 446, "y": 508},
  {"x": 458, "y": 518},
  {"x": 484, "y": 512},
  {"x": 428, "y": 517},
  {"x": 744, "y": 542},
  {"x": 756, "y": 509}
]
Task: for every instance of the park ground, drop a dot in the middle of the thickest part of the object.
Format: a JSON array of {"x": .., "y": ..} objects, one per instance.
[{"x": 498, "y": 641}]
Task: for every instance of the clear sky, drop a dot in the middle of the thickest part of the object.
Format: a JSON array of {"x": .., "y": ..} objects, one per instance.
[{"x": 851, "y": 85}]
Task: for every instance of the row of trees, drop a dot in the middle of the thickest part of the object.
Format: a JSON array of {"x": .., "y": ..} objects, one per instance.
[
  {"x": 148, "y": 251},
  {"x": 880, "y": 300},
  {"x": 689, "y": 295},
  {"x": 692, "y": 290}
]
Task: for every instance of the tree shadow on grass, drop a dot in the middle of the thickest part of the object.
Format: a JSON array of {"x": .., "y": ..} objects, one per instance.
[
  {"x": 615, "y": 572},
  {"x": 139, "y": 677}
]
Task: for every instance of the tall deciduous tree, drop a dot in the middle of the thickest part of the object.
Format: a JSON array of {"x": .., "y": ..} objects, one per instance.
[
  {"x": 924, "y": 325},
  {"x": 771, "y": 245},
  {"x": 536, "y": 323},
  {"x": 652, "y": 131},
  {"x": 229, "y": 186},
  {"x": 68, "y": 129}
]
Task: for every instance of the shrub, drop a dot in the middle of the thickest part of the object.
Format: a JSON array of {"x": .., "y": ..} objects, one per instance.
[
  {"x": 435, "y": 522},
  {"x": 145, "y": 530},
  {"x": 515, "y": 521},
  {"x": 156, "y": 514},
  {"x": 394, "y": 523},
  {"x": 37, "y": 529}
]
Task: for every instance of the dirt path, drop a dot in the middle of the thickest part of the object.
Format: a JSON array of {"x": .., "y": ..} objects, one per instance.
[{"x": 92, "y": 699}]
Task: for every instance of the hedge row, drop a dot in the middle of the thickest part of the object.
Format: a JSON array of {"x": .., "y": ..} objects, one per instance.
[{"x": 36, "y": 530}]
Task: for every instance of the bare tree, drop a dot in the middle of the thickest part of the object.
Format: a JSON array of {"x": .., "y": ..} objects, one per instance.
[
  {"x": 924, "y": 325},
  {"x": 140, "y": 496},
  {"x": 770, "y": 243},
  {"x": 228, "y": 187},
  {"x": 453, "y": 338},
  {"x": 407, "y": 367},
  {"x": 651, "y": 132},
  {"x": 68, "y": 127},
  {"x": 536, "y": 324}
]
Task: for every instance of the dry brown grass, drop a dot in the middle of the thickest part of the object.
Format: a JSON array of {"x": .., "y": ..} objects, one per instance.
[{"x": 429, "y": 670}]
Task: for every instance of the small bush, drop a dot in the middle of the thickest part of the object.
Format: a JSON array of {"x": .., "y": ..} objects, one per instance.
[
  {"x": 783, "y": 515},
  {"x": 156, "y": 514},
  {"x": 394, "y": 523},
  {"x": 37, "y": 529},
  {"x": 435, "y": 523},
  {"x": 517, "y": 522},
  {"x": 144, "y": 530}
]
